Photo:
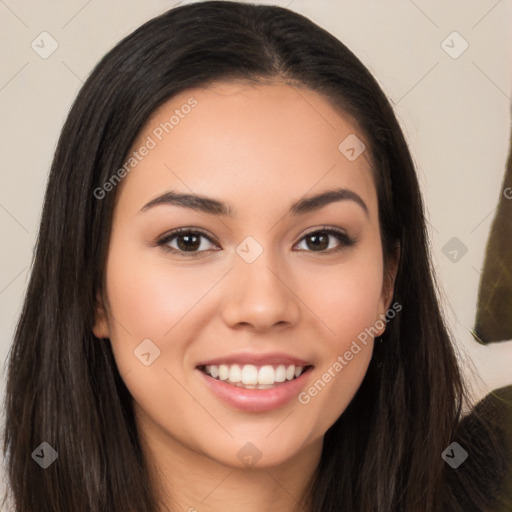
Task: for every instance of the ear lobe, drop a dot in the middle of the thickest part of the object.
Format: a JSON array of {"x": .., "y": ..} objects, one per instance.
[{"x": 100, "y": 328}]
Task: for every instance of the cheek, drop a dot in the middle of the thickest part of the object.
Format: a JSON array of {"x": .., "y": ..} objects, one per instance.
[
  {"x": 150, "y": 295},
  {"x": 333, "y": 386},
  {"x": 347, "y": 297},
  {"x": 347, "y": 303},
  {"x": 152, "y": 298}
]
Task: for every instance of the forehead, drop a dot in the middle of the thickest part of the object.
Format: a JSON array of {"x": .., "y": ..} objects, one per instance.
[{"x": 249, "y": 145}]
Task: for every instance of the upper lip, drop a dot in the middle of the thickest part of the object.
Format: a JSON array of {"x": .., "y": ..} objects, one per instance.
[{"x": 256, "y": 359}]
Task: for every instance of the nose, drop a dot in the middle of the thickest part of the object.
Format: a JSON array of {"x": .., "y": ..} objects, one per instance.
[{"x": 260, "y": 295}]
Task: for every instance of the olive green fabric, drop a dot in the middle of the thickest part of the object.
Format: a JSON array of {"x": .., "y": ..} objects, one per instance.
[
  {"x": 497, "y": 407},
  {"x": 494, "y": 308},
  {"x": 492, "y": 472}
]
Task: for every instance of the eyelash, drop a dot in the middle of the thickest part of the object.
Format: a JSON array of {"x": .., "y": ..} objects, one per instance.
[{"x": 163, "y": 242}]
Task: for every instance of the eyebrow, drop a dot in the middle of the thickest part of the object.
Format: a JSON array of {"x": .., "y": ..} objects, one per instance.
[{"x": 213, "y": 206}]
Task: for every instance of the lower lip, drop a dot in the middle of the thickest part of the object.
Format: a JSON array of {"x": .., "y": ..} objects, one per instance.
[{"x": 256, "y": 400}]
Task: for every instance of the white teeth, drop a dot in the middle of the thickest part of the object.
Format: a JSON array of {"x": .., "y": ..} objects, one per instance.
[
  {"x": 214, "y": 371},
  {"x": 254, "y": 377},
  {"x": 280, "y": 375},
  {"x": 250, "y": 374},
  {"x": 266, "y": 375},
  {"x": 223, "y": 372},
  {"x": 235, "y": 373}
]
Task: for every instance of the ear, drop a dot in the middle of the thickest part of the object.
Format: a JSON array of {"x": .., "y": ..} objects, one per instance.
[
  {"x": 100, "y": 328},
  {"x": 388, "y": 285}
]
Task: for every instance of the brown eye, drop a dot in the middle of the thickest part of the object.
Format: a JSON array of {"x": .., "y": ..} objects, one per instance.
[
  {"x": 318, "y": 241},
  {"x": 187, "y": 241},
  {"x": 190, "y": 242}
]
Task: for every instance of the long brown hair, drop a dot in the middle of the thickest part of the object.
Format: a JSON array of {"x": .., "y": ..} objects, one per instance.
[{"x": 384, "y": 452}]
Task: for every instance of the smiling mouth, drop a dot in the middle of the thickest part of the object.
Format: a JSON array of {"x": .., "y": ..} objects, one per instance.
[{"x": 250, "y": 376}]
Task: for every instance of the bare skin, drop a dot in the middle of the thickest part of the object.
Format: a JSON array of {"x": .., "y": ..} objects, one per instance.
[{"x": 259, "y": 149}]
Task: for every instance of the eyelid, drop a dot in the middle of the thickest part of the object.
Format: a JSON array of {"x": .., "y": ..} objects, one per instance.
[{"x": 323, "y": 228}]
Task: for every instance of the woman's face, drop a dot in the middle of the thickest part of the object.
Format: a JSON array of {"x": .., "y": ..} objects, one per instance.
[{"x": 253, "y": 288}]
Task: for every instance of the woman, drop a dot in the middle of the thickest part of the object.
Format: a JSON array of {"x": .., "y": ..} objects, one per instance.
[{"x": 251, "y": 365}]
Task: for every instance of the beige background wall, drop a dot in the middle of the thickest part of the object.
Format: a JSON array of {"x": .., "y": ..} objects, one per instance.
[{"x": 454, "y": 108}]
